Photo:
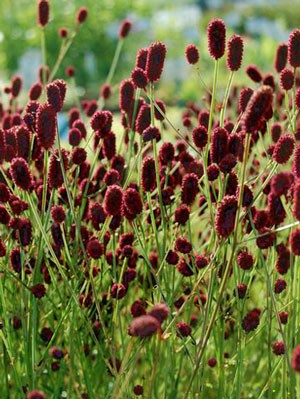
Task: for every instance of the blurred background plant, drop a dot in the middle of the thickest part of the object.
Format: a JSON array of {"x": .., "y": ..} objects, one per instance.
[{"x": 262, "y": 22}]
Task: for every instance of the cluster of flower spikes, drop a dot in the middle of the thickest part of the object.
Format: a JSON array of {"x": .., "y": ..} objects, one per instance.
[
  {"x": 105, "y": 203},
  {"x": 262, "y": 115}
]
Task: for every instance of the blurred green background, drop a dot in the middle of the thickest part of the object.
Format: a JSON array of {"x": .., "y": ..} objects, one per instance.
[{"x": 178, "y": 22}]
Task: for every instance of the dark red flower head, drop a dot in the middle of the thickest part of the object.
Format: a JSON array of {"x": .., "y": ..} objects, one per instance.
[
  {"x": 118, "y": 291},
  {"x": 183, "y": 245},
  {"x": 141, "y": 58},
  {"x": 225, "y": 218},
  {"x": 269, "y": 80},
  {"x": 61, "y": 84},
  {"x": 279, "y": 285},
  {"x": 257, "y": 108},
  {"x": 143, "y": 326},
  {"x": 235, "y": 53},
  {"x": 78, "y": 156},
  {"x": 166, "y": 153},
  {"x": 245, "y": 260},
  {"x": 126, "y": 97},
  {"x": 58, "y": 214},
  {"x": 212, "y": 362},
  {"x": 25, "y": 231},
  {"x": 38, "y": 290},
  {"x": 284, "y": 149},
  {"x": 151, "y": 133},
  {"x": 82, "y": 15},
  {"x": 182, "y": 214},
  {"x": 105, "y": 91},
  {"x": 295, "y": 242},
  {"x": 125, "y": 28},
  {"x": 16, "y": 86},
  {"x": 63, "y": 32},
  {"x": 294, "y": 48},
  {"x": 281, "y": 183},
  {"x": 36, "y": 394},
  {"x": 43, "y": 12},
  {"x": 46, "y": 126},
  {"x": 160, "y": 312},
  {"x": 155, "y": 61},
  {"x": 55, "y": 176},
  {"x": 113, "y": 200},
  {"x": 281, "y": 57},
  {"x": 283, "y": 317},
  {"x": 244, "y": 98},
  {"x": 251, "y": 320},
  {"x": 216, "y": 34},
  {"x": 183, "y": 329},
  {"x": 296, "y": 359},
  {"x": 95, "y": 248},
  {"x": 132, "y": 203},
  {"x": 189, "y": 188},
  {"x": 286, "y": 79},
  {"x": 70, "y": 71},
  {"x": 15, "y": 260},
  {"x": 148, "y": 177},
  {"x": 138, "y": 390},
  {"x": 200, "y": 136},
  {"x": 297, "y": 98},
  {"x": 278, "y": 348},
  {"x": 219, "y": 142},
  {"x": 35, "y": 91},
  {"x": 192, "y": 54},
  {"x": 74, "y": 137},
  {"x": 139, "y": 78},
  {"x": 54, "y": 96},
  {"x": 296, "y": 162},
  {"x": 21, "y": 174},
  {"x": 143, "y": 119},
  {"x": 254, "y": 73}
]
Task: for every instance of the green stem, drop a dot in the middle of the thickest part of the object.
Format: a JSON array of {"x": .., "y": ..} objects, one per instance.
[
  {"x": 44, "y": 56},
  {"x": 226, "y": 96},
  {"x": 227, "y": 270},
  {"x": 115, "y": 61},
  {"x": 63, "y": 52}
]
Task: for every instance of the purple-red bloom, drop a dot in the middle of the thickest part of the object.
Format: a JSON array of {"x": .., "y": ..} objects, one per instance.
[
  {"x": 155, "y": 61},
  {"x": 21, "y": 174},
  {"x": 235, "y": 53},
  {"x": 192, "y": 54},
  {"x": 46, "y": 126},
  {"x": 216, "y": 34}
]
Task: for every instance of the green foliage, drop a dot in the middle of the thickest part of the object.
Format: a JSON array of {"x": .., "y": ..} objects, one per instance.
[{"x": 21, "y": 32}]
